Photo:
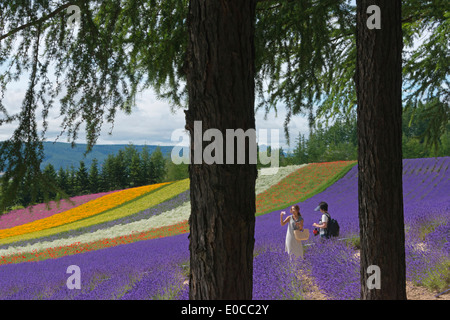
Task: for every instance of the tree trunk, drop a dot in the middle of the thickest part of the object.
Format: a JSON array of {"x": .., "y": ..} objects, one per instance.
[
  {"x": 379, "y": 88},
  {"x": 220, "y": 81}
]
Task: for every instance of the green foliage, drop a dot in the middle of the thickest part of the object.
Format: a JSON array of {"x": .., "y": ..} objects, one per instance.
[
  {"x": 176, "y": 171},
  {"x": 438, "y": 279},
  {"x": 135, "y": 170},
  {"x": 339, "y": 140},
  {"x": 301, "y": 50},
  {"x": 126, "y": 169},
  {"x": 94, "y": 177},
  {"x": 146, "y": 166},
  {"x": 427, "y": 67},
  {"x": 423, "y": 134},
  {"x": 82, "y": 179},
  {"x": 158, "y": 166},
  {"x": 336, "y": 142},
  {"x": 304, "y": 58}
]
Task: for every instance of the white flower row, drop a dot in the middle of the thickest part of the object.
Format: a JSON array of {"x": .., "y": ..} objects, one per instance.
[{"x": 167, "y": 218}]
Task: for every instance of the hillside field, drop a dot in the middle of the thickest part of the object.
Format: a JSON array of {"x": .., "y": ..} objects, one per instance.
[{"x": 132, "y": 244}]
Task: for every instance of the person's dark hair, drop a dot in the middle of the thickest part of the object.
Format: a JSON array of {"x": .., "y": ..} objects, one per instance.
[{"x": 323, "y": 206}]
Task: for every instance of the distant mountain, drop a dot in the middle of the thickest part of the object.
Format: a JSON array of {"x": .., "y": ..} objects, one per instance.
[{"x": 61, "y": 154}]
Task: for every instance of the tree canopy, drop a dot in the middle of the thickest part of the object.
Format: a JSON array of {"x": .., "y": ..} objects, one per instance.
[{"x": 305, "y": 61}]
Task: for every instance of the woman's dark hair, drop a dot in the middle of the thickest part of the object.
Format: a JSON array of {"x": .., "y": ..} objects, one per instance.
[{"x": 297, "y": 208}]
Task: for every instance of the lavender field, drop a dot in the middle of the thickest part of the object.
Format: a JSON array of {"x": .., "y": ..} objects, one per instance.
[{"x": 158, "y": 268}]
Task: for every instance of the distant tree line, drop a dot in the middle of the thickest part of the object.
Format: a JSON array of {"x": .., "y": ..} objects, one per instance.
[
  {"x": 335, "y": 142},
  {"x": 126, "y": 169},
  {"x": 338, "y": 141}
]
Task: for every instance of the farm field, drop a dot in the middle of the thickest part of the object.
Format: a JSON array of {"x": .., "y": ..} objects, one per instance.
[{"x": 138, "y": 248}]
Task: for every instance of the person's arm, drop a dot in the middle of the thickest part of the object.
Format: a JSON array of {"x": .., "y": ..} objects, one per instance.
[
  {"x": 285, "y": 221},
  {"x": 300, "y": 225},
  {"x": 323, "y": 225}
]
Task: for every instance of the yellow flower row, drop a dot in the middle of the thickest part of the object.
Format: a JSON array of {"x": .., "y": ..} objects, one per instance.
[
  {"x": 145, "y": 202},
  {"x": 83, "y": 211}
]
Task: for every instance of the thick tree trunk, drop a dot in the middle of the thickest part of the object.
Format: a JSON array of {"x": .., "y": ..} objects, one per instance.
[
  {"x": 220, "y": 80},
  {"x": 379, "y": 88}
]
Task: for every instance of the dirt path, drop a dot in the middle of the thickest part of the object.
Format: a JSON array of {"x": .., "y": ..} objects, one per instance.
[
  {"x": 420, "y": 293},
  {"x": 312, "y": 292}
]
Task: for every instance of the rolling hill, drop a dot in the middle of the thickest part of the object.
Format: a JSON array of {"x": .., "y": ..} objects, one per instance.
[
  {"x": 138, "y": 249},
  {"x": 61, "y": 154}
]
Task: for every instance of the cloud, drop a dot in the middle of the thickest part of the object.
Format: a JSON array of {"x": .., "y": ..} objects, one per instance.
[{"x": 151, "y": 122}]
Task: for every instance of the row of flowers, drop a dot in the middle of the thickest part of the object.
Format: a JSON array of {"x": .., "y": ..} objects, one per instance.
[
  {"x": 43, "y": 210},
  {"x": 130, "y": 207},
  {"x": 266, "y": 181},
  {"x": 83, "y": 211}
]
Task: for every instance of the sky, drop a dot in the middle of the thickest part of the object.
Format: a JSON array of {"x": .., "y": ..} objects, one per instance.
[{"x": 151, "y": 122}]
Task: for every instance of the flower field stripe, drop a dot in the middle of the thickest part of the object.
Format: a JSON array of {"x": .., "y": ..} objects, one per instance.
[
  {"x": 169, "y": 218},
  {"x": 21, "y": 216},
  {"x": 142, "y": 203},
  {"x": 301, "y": 185},
  {"x": 83, "y": 211},
  {"x": 152, "y": 211}
]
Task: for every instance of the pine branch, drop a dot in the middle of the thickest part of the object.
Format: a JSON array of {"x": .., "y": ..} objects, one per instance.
[
  {"x": 270, "y": 8},
  {"x": 38, "y": 21},
  {"x": 279, "y": 4}
]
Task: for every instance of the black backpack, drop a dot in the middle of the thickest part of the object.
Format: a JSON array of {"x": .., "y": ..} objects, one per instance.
[{"x": 332, "y": 227}]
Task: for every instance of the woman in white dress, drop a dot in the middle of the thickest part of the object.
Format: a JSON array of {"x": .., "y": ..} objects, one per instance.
[{"x": 295, "y": 221}]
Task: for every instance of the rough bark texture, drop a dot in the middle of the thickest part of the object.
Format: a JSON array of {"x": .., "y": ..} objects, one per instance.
[
  {"x": 379, "y": 88},
  {"x": 220, "y": 80}
]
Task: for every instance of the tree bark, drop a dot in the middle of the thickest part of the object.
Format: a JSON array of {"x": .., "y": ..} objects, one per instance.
[
  {"x": 379, "y": 97},
  {"x": 220, "y": 81}
]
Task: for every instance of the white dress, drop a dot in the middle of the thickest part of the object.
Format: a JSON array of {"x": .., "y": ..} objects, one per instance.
[{"x": 293, "y": 246}]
